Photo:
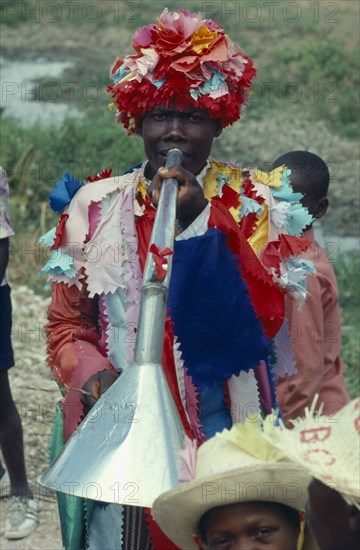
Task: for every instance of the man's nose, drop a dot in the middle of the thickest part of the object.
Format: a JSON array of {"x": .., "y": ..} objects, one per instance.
[{"x": 175, "y": 129}]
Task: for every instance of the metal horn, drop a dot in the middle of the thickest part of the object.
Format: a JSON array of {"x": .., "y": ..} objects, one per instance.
[{"x": 126, "y": 449}]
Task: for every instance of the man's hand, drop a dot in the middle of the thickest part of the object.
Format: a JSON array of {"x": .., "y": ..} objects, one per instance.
[
  {"x": 191, "y": 200},
  {"x": 97, "y": 384}
]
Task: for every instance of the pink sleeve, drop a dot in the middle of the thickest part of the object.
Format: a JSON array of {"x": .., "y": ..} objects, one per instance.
[
  {"x": 73, "y": 351},
  {"x": 296, "y": 391},
  {"x": 309, "y": 336}
]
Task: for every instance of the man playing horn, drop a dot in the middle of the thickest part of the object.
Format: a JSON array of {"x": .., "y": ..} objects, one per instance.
[{"x": 183, "y": 84}]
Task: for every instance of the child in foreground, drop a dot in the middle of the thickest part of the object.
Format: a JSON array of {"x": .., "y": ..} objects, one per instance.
[{"x": 240, "y": 491}]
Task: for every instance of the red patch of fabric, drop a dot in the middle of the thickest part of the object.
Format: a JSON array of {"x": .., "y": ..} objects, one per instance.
[
  {"x": 292, "y": 246},
  {"x": 160, "y": 259},
  {"x": 229, "y": 198},
  {"x": 168, "y": 364},
  {"x": 248, "y": 224},
  {"x": 100, "y": 176},
  {"x": 267, "y": 298},
  {"x": 158, "y": 538},
  {"x": 249, "y": 191},
  {"x": 271, "y": 256},
  {"x": 59, "y": 231},
  {"x": 227, "y": 399},
  {"x": 144, "y": 225}
]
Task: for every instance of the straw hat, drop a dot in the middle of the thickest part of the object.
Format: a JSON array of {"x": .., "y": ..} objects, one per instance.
[
  {"x": 328, "y": 447},
  {"x": 237, "y": 465}
]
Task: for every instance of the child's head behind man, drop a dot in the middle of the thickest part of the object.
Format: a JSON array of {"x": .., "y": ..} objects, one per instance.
[{"x": 309, "y": 176}]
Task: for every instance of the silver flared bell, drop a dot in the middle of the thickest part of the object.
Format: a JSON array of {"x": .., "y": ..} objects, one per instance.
[{"x": 126, "y": 450}]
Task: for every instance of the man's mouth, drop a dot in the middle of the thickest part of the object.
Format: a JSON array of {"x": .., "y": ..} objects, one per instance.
[{"x": 164, "y": 153}]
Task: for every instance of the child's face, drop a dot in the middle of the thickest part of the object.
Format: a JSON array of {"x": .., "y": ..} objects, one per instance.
[{"x": 250, "y": 525}]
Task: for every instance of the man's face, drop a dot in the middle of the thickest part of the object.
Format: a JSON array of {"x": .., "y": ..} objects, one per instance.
[
  {"x": 328, "y": 516},
  {"x": 250, "y": 525},
  {"x": 192, "y": 131}
]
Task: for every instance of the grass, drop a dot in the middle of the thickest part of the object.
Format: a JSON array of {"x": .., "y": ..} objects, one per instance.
[{"x": 347, "y": 271}]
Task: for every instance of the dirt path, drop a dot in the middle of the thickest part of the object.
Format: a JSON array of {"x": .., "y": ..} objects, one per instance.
[{"x": 36, "y": 395}]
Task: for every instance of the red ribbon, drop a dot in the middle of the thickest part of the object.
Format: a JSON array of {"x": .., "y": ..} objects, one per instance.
[{"x": 160, "y": 260}]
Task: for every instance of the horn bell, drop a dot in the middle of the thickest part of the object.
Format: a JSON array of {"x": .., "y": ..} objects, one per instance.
[{"x": 126, "y": 449}]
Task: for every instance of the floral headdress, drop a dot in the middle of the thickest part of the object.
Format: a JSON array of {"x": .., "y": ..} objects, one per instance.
[{"x": 182, "y": 61}]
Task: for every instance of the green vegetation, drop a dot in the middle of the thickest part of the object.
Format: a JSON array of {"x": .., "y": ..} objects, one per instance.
[{"x": 347, "y": 271}]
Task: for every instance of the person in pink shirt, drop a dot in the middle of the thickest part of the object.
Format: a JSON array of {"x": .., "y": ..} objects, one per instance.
[{"x": 315, "y": 331}]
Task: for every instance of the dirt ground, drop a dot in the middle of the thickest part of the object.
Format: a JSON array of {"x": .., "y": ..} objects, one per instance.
[{"x": 36, "y": 395}]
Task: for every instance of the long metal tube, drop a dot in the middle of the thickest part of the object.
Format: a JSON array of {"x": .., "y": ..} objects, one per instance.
[
  {"x": 126, "y": 450},
  {"x": 154, "y": 291}
]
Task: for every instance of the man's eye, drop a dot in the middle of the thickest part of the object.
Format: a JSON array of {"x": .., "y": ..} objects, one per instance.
[
  {"x": 194, "y": 118},
  {"x": 159, "y": 116},
  {"x": 263, "y": 532},
  {"x": 223, "y": 543}
]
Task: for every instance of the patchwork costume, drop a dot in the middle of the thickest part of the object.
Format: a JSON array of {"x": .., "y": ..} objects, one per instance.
[{"x": 225, "y": 308}]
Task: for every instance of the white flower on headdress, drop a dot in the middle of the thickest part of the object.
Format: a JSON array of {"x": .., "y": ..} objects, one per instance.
[{"x": 143, "y": 65}]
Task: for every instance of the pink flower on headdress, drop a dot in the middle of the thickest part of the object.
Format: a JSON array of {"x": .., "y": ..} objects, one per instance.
[
  {"x": 142, "y": 37},
  {"x": 173, "y": 33},
  {"x": 236, "y": 65},
  {"x": 183, "y": 23},
  {"x": 144, "y": 64}
]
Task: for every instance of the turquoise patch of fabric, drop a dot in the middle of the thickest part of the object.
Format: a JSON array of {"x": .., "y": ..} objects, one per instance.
[
  {"x": 59, "y": 263},
  {"x": 158, "y": 83},
  {"x": 119, "y": 74},
  {"x": 286, "y": 192},
  {"x": 303, "y": 268},
  {"x": 49, "y": 237},
  {"x": 249, "y": 206},
  {"x": 298, "y": 218},
  {"x": 211, "y": 85}
]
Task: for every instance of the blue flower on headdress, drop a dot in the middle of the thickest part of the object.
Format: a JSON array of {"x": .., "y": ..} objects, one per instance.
[
  {"x": 119, "y": 74},
  {"x": 216, "y": 82},
  {"x": 64, "y": 191}
]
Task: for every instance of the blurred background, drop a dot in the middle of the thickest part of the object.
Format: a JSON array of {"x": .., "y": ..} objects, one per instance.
[{"x": 55, "y": 60}]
